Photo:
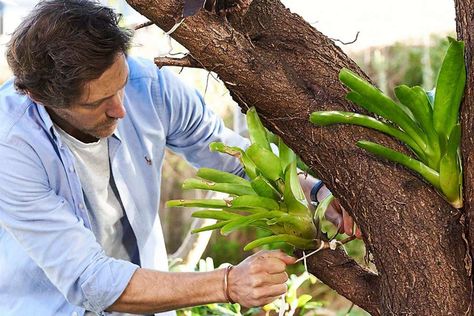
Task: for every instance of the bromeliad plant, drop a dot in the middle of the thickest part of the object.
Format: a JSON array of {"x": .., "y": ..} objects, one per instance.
[
  {"x": 429, "y": 127},
  {"x": 272, "y": 198}
]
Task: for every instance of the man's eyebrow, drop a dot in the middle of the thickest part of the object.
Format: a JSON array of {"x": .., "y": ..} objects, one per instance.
[{"x": 105, "y": 98}]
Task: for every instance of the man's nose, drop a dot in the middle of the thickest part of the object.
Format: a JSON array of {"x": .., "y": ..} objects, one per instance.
[{"x": 115, "y": 108}]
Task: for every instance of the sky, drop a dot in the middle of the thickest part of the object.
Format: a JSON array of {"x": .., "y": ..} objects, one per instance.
[{"x": 380, "y": 22}]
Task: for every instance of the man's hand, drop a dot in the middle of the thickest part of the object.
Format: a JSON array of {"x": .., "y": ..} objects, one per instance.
[
  {"x": 259, "y": 279},
  {"x": 337, "y": 215}
]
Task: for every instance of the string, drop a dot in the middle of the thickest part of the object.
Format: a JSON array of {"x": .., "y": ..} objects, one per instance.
[
  {"x": 304, "y": 262},
  {"x": 283, "y": 306},
  {"x": 175, "y": 27},
  {"x": 321, "y": 247},
  {"x": 333, "y": 244}
]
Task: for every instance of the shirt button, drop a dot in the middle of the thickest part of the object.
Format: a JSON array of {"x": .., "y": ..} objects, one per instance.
[
  {"x": 81, "y": 206},
  {"x": 71, "y": 169}
]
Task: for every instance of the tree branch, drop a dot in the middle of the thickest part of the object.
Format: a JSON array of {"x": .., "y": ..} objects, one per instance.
[
  {"x": 348, "y": 278},
  {"x": 143, "y": 25},
  {"x": 465, "y": 28},
  {"x": 186, "y": 61}
]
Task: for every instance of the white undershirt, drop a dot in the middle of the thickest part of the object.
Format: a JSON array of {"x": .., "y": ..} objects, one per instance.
[{"x": 104, "y": 209}]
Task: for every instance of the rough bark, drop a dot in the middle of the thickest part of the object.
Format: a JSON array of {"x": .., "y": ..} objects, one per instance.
[
  {"x": 275, "y": 61},
  {"x": 465, "y": 30},
  {"x": 341, "y": 272}
]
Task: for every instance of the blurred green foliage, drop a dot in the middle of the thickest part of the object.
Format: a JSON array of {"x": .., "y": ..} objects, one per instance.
[
  {"x": 222, "y": 250},
  {"x": 403, "y": 63}
]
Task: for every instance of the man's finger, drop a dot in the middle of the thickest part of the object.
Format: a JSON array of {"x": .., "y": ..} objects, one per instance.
[
  {"x": 334, "y": 215},
  {"x": 348, "y": 222},
  {"x": 277, "y": 278},
  {"x": 358, "y": 233},
  {"x": 276, "y": 290},
  {"x": 274, "y": 265},
  {"x": 279, "y": 255}
]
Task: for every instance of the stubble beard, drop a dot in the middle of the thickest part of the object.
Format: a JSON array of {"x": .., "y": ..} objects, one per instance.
[{"x": 104, "y": 130}]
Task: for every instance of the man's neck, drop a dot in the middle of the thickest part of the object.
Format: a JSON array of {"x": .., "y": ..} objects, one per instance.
[{"x": 71, "y": 130}]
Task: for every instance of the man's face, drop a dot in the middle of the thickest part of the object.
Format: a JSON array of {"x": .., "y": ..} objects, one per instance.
[{"x": 98, "y": 110}]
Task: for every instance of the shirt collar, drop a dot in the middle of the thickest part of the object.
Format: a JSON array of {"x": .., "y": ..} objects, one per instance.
[
  {"x": 44, "y": 116},
  {"x": 48, "y": 123}
]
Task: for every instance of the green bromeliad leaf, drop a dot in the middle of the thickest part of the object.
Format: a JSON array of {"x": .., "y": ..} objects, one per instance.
[
  {"x": 449, "y": 89},
  {"x": 376, "y": 102},
  {"x": 266, "y": 162},
  {"x": 298, "y": 242},
  {"x": 293, "y": 194},
  {"x": 257, "y": 132}
]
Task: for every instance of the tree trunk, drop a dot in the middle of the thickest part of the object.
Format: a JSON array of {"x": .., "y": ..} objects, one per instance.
[
  {"x": 465, "y": 30},
  {"x": 274, "y": 60}
]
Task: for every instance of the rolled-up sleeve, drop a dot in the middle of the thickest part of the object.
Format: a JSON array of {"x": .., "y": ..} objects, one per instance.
[
  {"x": 47, "y": 228},
  {"x": 192, "y": 126}
]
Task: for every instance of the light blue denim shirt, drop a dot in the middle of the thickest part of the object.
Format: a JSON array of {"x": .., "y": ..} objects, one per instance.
[{"x": 50, "y": 262}]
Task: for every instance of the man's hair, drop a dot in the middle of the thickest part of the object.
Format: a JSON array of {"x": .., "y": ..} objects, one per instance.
[{"x": 61, "y": 46}]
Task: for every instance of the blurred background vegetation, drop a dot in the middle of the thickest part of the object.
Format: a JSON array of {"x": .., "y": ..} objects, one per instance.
[{"x": 411, "y": 62}]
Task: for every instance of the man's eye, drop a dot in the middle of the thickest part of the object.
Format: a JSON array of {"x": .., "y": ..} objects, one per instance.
[{"x": 92, "y": 105}]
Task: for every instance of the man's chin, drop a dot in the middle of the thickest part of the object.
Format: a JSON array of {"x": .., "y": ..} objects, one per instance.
[{"x": 105, "y": 132}]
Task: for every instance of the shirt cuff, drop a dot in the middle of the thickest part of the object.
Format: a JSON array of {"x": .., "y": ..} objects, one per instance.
[{"x": 103, "y": 287}]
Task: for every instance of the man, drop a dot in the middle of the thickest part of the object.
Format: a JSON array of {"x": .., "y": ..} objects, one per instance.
[{"x": 83, "y": 129}]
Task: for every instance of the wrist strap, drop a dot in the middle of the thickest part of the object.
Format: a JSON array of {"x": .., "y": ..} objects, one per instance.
[
  {"x": 313, "y": 195},
  {"x": 226, "y": 284}
]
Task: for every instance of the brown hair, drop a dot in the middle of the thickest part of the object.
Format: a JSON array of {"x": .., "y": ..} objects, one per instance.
[{"x": 62, "y": 45}]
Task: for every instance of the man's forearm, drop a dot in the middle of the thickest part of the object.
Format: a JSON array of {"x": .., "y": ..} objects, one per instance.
[{"x": 152, "y": 291}]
